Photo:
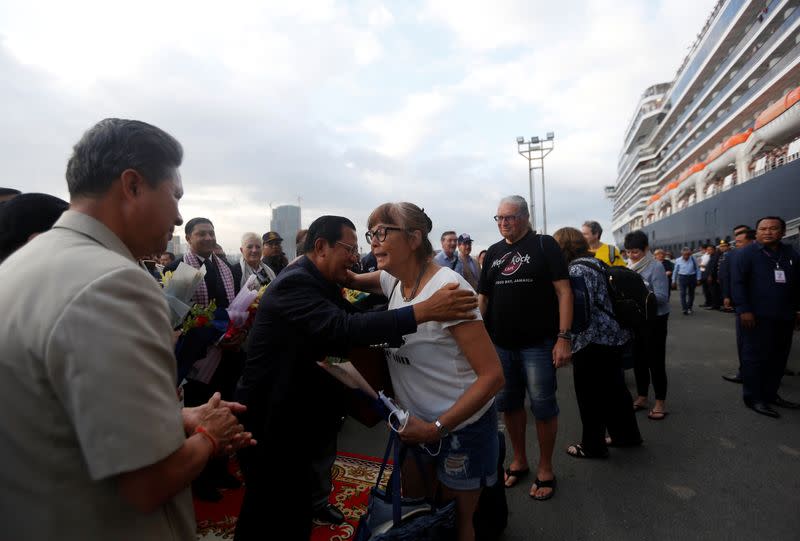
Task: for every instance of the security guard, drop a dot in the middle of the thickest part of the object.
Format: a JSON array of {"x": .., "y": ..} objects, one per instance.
[{"x": 765, "y": 284}]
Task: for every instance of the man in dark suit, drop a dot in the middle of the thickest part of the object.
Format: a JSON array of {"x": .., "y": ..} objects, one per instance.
[
  {"x": 205, "y": 379},
  {"x": 292, "y": 402},
  {"x": 742, "y": 236},
  {"x": 765, "y": 283}
]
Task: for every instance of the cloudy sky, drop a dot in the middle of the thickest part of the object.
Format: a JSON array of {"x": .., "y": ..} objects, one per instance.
[{"x": 343, "y": 105}]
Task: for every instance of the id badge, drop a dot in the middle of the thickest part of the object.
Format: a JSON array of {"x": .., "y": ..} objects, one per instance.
[{"x": 780, "y": 276}]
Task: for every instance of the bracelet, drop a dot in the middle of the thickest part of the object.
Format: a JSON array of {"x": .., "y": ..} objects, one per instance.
[{"x": 203, "y": 432}]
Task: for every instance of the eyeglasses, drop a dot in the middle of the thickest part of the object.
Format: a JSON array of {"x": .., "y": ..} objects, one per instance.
[
  {"x": 351, "y": 248},
  {"x": 380, "y": 233},
  {"x": 510, "y": 218}
]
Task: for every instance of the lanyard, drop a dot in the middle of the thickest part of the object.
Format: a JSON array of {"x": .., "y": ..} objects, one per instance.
[{"x": 777, "y": 260}]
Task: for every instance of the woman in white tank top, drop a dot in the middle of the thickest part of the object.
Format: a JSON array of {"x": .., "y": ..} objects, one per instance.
[{"x": 447, "y": 373}]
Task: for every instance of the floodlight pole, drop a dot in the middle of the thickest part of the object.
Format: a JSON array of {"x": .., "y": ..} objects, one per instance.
[{"x": 535, "y": 150}]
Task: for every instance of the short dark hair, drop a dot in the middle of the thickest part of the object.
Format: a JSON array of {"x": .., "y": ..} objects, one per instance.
[
  {"x": 594, "y": 227},
  {"x": 328, "y": 228},
  {"x": 170, "y": 254},
  {"x": 191, "y": 224},
  {"x": 445, "y": 234},
  {"x": 113, "y": 145},
  {"x": 740, "y": 226},
  {"x": 750, "y": 234},
  {"x": 25, "y": 215},
  {"x": 636, "y": 240},
  {"x": 778, "y": 218},
  {"x": 9, "y": 191}
]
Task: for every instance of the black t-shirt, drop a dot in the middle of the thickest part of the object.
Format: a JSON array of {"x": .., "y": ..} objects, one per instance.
[{"x": 518, "y": 280}]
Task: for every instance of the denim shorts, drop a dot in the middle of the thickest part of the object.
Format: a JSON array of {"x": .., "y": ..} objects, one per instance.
[
  {"x": 468, "y": 457},
  {"x": 532, "y": 369}
]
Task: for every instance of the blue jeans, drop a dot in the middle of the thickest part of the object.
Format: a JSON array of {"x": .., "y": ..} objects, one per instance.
[
  {"x": 529, "y": 369},
  {"x": 687, "y": 283},
  {"x": 467, "y": 459}
]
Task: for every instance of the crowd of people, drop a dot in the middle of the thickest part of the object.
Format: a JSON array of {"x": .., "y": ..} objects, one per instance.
[{"x": 96, "y": 437}]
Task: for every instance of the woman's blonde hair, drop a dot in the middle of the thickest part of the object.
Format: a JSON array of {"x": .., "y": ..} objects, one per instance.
[{"x": 411, "y": 218}]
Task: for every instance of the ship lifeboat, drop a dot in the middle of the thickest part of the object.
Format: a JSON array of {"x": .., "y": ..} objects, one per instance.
[
  {"x": 780, "y": 120},
  {"x": 689, "y": 179},
  {"x": 724, "y": 156}
]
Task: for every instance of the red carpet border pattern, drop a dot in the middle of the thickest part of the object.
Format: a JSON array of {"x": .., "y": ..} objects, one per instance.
[{"x": 353, "y": 476}]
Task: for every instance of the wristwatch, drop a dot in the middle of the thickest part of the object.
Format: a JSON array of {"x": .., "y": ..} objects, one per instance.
[
  {"x": 443, "y": 432},
  {"x": 566, "y": 335}
]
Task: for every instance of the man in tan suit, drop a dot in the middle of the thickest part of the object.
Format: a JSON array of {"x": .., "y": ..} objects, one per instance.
[{"x": 95, "y": 444}]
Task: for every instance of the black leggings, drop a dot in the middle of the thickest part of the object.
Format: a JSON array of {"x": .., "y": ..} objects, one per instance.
[
  {"x": 650, "y": 358},
  {"x": 603, "y": 398}
]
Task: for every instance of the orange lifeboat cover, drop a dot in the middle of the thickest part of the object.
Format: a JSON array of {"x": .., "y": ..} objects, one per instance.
[{"x": 777, "y": 109}]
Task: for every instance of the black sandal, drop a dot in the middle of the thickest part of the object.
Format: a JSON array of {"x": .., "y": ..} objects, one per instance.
[
  {"x": 516, "y": 474},
  {"x": 551, "y": 484},
  {"x": 580, "y": 452}
]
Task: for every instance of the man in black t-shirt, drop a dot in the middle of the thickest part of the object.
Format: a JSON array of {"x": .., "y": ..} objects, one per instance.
[{"x": 526, "y": 302}]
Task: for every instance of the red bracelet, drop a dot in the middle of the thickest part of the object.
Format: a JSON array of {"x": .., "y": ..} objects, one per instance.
[{"x": 203, "y": 432}]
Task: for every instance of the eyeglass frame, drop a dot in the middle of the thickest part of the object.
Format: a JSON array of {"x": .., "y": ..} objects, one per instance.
[
  {"x": 509, "y": 218},
  {"x": 369, "y": 235},
  {"x": 351, "y": 248}
]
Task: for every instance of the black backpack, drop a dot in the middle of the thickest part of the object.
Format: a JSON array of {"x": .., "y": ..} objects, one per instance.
[{"x": 633, "y": 302}]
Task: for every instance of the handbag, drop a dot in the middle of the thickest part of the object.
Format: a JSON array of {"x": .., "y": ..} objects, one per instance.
[{"x": 391, "y": 517}]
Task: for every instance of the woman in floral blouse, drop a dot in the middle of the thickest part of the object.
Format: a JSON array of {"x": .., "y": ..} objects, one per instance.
[{"x": 603, "y": 399}]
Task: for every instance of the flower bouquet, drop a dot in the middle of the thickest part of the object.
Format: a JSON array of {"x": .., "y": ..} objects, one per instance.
[
  {"x": 178, "y": 287},
  {"x": 207, "y": 331}
]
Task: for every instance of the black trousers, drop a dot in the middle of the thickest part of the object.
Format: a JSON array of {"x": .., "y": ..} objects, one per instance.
[
  {"x": 765, "y": 351},
  {"x": 196, "y": 393},
  {"x": 716, "y": 294},
  {"x": 649, "y": 362},
  {"x": 279, "y": 483},
  {"x": 706, "y": 291},
  {"x": 603, "y": 398}
]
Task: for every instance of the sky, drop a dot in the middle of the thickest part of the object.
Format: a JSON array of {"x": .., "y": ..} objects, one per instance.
[{"x": 342, "y": 106}]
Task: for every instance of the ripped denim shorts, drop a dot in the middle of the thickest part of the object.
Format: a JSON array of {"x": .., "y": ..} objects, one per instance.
[{"x": 468, "y": 457}]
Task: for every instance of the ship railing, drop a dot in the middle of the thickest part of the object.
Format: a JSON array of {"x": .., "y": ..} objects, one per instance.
[
  {"x": 723, "y": 70},
  {"x": 732, "y": 84},
  {"x": 788, "y": 58}
]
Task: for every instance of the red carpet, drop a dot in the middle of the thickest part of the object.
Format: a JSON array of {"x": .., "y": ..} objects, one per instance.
[{"x": 352, "y": 475}]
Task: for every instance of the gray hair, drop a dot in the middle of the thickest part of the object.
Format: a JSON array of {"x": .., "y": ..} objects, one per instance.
[
  {"x": 594, "y": 227},
  {"x": 248, "y": 236},
  {"x": 521, "y": 204},
  {"x": 113, "y": 145}
]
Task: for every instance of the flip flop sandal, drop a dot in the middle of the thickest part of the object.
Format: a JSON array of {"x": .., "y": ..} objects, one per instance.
[
  {"x": 576, "y": 450},
  {"x": 517, "y": 475},
  {"x": 639, "y": 407},
  {"x": 544, "y": 484},
  {"x": 657, "y": 415}
]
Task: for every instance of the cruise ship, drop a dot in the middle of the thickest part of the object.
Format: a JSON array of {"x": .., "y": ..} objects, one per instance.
[{"x": 718, "y": 146}]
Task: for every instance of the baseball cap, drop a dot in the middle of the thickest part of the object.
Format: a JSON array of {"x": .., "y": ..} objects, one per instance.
[
  {"x": 272, "y": 236},
  {"x": 464, "y": 238}
]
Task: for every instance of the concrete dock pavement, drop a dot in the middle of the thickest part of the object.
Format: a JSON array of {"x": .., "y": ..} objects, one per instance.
[{"x": 713, "y": 469}]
